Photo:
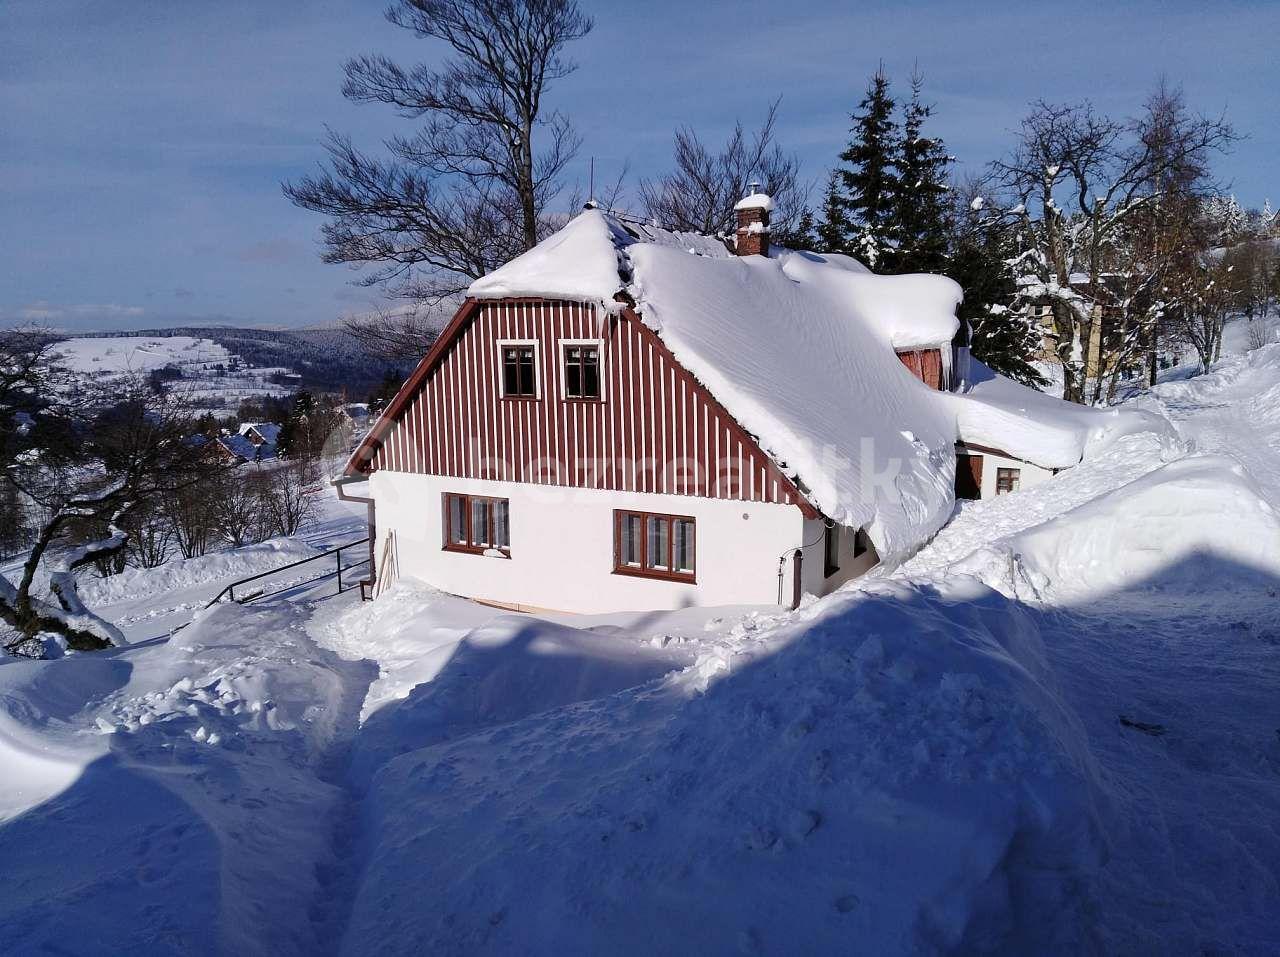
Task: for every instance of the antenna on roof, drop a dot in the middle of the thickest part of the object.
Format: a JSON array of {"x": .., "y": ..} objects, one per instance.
[{"x": 591, "y": 187}]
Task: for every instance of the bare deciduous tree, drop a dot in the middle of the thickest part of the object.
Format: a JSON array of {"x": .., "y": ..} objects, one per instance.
[
  {"x": 469, "y": 190},
  {"x": 236, "y": 500},
  {"x": 700, "y": 192},
  {"x": 399, "y": 335},
  {"x": 87, "y": 465},
  {"x": 1076, "y": 180},
  {"x": 288, "y": 499}
]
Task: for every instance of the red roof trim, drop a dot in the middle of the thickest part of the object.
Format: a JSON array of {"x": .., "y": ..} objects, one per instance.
[{"x": 359, "y": 462}]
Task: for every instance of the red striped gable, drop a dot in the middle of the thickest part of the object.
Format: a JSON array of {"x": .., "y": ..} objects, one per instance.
[{"x": 655, "y": 428}]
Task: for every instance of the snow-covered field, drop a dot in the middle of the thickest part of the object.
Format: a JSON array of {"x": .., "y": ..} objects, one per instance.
[
  {"x": 212, "y": 376},
  {"x": 1054, "y": 730}
]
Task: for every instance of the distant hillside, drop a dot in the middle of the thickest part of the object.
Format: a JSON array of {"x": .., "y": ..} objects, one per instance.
[{"x": 326, "y": 359}]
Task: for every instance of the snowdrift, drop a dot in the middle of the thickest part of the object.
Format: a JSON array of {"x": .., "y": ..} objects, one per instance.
[
  {"x": 997, "y": 412},
  {"x": 448, "y": 667},
  {"x": 895, "y": 771},
  {"x": 1154, "y": 532},
  {"x": 134, "y": 583},
  {"x": 169, "y": 805}
]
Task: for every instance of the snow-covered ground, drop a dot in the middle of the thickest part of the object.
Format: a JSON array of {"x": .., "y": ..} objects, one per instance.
[
  {"x": 212, "y": 376},
  {"x": 1054, "y": 730}
]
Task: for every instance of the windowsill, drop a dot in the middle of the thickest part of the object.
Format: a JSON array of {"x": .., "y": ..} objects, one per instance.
[
  {"x": 522, "y": 398},
  {"x": 830, "y": 570},
  {"x": 482, "y": 552},
  {"x": 656, "y": 575},
  {"x": 583, "y": 399}
]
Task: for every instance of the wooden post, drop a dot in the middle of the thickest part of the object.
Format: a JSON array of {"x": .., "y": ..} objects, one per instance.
[{"x": 797, "y": 564}]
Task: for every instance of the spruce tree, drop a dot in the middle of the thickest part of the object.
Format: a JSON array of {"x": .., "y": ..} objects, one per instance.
[
  {"x": 979, "y": 252},
  {"x": 920, "y": 208},
  {"x": 867, "y": 185},
  {"x": 835, "y": 231}
]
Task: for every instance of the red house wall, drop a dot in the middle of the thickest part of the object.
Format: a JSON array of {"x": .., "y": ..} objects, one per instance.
[
  {"x": 655, "y": 429},
  {"x": 925, "y": 365}
]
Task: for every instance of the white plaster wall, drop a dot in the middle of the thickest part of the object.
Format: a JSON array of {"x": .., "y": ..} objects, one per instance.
[
  {"x": 812, "y": 576},
  {"x": 562, "y": 546},
  {"x": 1032, "y": 475}
]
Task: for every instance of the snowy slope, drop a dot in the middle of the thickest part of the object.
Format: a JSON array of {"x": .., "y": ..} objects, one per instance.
[
  {"x": 211, "y": 375},
  {"x": 1052, "y": 731},
  {"x": 892, "y": 768}
]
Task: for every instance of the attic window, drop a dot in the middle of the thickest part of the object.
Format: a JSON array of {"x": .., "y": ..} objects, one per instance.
[
  {"x": 582, "y": 370},
  {"x": 519, "y": 369}
]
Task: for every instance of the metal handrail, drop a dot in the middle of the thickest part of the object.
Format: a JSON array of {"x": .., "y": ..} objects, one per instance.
[{"x": 230, "y": 590}]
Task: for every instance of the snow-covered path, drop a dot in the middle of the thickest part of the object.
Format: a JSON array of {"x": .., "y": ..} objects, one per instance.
[{"x": 206, "y": 809}]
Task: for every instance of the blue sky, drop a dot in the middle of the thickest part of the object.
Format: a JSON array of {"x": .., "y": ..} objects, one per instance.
[{"x": 143, "y": 141}]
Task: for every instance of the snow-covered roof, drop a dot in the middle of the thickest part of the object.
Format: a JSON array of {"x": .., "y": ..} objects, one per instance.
[
  {"x": 755, "y": 201},
  {"x": 798, "y": 346},
  {"x": 269, "y": 431},
  {"x": 997, "y": 412},
  {"x": 240, "y": 446}
]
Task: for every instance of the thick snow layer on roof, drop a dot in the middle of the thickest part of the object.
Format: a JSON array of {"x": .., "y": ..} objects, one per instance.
[
  {"x": 755, "y": 201},
  {"x": 797, "y": 346},
  {"x": 1030, "y": 425},
  {"x": 907, "y": 312},
  {"x": 580, "y": 262},
  {"x": 793, "y": 361}
]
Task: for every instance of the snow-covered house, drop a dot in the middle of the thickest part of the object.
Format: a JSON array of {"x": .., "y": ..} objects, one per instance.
[
  {"x": 240, "y": 448},
  {"x": 261, "y": 433},
  {"x": 628, "y": 417}
]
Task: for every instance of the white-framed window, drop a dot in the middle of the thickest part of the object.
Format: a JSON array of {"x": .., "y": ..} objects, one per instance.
[
  {"x": 519, "y": 369},
  {"x": 582, "y": 369}
]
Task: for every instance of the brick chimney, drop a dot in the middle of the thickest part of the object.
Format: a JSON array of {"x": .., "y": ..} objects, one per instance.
[{"x": 753, "y": 223}]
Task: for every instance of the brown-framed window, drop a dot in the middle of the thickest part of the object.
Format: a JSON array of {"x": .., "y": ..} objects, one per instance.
[
  {"x": 654, "y": 545},
  {"x": 1008, "y": 480},
  {"x": 519, "y": 371},
  {"x": 476, "y": 523},
  {"x": 581, "y": 371},
  {"x": 831, "y": 551}
]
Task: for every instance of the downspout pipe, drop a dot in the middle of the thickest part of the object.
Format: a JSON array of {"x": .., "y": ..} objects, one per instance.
[
  {"x": 797, "y": 565},
  {"x": 341, "y": 485}
]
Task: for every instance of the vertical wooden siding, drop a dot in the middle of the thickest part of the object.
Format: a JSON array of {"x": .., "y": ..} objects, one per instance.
[
  {"x": 655, "y": 430},
  {"x": 925, "y": 365}
]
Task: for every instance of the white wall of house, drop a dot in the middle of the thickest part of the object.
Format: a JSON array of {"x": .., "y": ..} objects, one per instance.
[
  {"x": 1029, "y": 475},
  {"x": 813, "y": 577},
  {"x": 562, "y": 549}
]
